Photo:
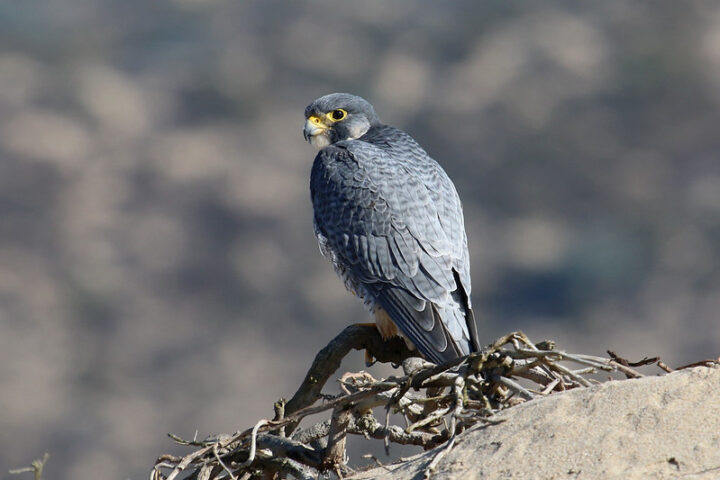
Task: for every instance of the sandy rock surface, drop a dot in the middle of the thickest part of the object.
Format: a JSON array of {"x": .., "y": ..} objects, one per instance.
[{"x": 652, "y": 428}]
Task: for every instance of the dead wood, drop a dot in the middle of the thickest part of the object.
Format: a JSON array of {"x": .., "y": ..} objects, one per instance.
[{"x": 437, "y": 401}]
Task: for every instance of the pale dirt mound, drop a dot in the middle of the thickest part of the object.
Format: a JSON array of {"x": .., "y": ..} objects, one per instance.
[{"x": 663, "y": 427}]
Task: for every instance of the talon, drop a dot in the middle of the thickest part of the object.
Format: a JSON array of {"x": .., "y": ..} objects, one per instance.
[{"x": 369, "y": 360}]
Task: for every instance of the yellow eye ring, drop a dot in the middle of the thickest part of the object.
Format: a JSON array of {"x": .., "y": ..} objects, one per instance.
[{"x": 336, "y": 115}]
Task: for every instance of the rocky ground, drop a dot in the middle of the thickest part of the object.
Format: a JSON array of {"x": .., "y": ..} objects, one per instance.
[{"x": 664, "y": 427}]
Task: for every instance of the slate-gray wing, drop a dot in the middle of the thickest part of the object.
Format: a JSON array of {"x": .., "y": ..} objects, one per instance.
[{"x": 391, "y": 221}]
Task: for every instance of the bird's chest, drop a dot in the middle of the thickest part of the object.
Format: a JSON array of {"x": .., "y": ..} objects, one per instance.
[
  {"x": 343, "y": 176},
  {"x": 353, "y": 198},
  {"x": 343, "y": 269}
]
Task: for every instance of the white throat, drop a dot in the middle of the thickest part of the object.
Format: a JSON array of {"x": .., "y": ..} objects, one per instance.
[{"x": 320, "y": 141}]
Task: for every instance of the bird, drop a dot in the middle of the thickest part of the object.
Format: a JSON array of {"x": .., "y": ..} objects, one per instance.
[{"x": 391, "y": 222}]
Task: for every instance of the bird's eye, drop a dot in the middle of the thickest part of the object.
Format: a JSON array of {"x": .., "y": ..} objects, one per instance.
[{"x": 337, "y": 115}]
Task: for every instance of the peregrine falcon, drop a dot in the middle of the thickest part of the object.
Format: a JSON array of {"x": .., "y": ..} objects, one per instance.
[{"x": 390, "y": 220}]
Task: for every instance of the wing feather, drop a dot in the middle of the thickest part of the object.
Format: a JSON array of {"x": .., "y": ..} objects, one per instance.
[{"x": 394, "y": 220}]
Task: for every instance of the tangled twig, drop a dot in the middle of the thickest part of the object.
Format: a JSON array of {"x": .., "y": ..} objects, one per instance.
[{"x": 438, "y": 403}]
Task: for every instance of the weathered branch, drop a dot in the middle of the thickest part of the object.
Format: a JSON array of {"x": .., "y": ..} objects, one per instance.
[
  {"x": 335, "y": 450},
  {"x": 437, "y": 401},
  {"x": 328, "y": 360},
  {"x": 36, "y": 467}
]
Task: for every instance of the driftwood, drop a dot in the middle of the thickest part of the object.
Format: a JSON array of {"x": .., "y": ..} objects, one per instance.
[{"x": 437, "y": 401}]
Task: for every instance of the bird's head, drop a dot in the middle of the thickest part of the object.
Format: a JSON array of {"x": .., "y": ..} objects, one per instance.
[{"x": 336, "y": 117}]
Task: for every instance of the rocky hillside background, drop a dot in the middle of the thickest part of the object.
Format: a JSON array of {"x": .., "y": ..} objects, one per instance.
[{"x": 158, "y": 271}]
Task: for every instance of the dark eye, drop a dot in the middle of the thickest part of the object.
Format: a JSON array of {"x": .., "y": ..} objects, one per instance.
[{"x": 338, "y": 114}]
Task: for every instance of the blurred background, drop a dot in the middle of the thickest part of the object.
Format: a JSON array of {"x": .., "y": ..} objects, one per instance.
[{"x": 158, "y": 269}]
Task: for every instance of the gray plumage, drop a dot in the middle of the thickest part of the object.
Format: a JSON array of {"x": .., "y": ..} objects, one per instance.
[{"x": 391, "y": 222}]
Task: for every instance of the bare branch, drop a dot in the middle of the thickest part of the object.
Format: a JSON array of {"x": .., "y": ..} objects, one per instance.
[
  {"x": 36, "y": 467},
  {"x": 437, "y": 401},
  {"x": 327, "y": 361},
  {"x": 335, "y": 450}
]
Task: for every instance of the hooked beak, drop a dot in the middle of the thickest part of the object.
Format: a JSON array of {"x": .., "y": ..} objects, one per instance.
[{"x": 313, "y": 127}]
